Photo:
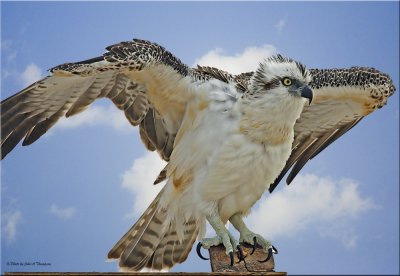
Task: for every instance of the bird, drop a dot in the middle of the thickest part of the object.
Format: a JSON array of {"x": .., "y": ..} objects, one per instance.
[{"x": 226, "y": 138}]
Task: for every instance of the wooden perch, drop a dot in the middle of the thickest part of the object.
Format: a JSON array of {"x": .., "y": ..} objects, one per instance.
[{"x": 220, "y": 262}]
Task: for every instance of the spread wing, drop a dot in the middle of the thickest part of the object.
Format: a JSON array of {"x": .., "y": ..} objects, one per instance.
[
  {"x": 141, "y": 78},
  {"x": 342, "y": 97}
]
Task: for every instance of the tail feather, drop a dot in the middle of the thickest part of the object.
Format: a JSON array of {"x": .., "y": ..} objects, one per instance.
[
  {"x": 171, "y": 250},
  {"x": 136, "y": 231},
  {"x": 152, "y": 243},
  {"x": 137, "y": 254}
]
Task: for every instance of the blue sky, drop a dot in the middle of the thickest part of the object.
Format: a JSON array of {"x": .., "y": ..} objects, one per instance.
[{"x": 66, "y": 199}]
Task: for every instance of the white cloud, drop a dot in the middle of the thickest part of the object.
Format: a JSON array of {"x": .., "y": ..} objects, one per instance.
[
  {"x": 139, "y": 180},
  {"x": 10, "y": 221},
  {"x": 96, "y": 115},
  {"x": 31, "y": 74},
  {"x": 7, "y": 73},
  {"x": 246, "y": 61},
  {"x": 311, "y": 202},
  {"x": 341, "y": 231},
  {"x": 280, "y": 25},
  {"x": 63, "y": 213}
]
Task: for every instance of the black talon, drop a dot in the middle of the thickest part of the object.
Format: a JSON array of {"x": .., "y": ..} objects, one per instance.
[
  {"x": 240, "y": 254},
  {"x": 254, "y": 245},
  {"x": 231, "y": 255},
  {"x": 268, "y": 257},
  {"x": 199, "y": 245},
  {"x": 274, "y": 250}
]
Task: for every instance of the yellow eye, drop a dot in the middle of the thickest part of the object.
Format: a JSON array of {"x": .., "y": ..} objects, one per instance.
[{"x": 287, "y": 81}]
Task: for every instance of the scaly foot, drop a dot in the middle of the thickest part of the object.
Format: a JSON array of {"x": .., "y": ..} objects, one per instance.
[
  {"x": 254, "y": 239},
  {"x": 223, "y": 236},
  {"x": 230, "y": 243},
  {"x": 251, "y": 238}
]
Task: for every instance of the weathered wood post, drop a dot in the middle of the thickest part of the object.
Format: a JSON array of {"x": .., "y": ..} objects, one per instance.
[{"x": 220, "y": 262}]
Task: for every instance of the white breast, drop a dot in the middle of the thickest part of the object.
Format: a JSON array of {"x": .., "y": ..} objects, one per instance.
[{"x": 241, "y": 173}]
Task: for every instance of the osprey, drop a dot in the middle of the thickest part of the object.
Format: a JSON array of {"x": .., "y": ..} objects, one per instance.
[{"x": 227, "y": 138}]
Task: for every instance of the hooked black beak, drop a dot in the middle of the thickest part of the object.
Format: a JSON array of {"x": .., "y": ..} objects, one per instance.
[{"x": 307, "y": 93}]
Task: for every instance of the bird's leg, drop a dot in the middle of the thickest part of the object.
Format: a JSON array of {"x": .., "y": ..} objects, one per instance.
[
  {"x": 250, "y": 237},
  {"x": 223, "y": 236}
]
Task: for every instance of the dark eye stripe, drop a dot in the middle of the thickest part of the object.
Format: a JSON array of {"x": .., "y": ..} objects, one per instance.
[{"x": 271, "y": 84}]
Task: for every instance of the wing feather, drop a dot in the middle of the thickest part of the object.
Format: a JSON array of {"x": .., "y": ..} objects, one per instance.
[
  {"x": 137, "y": 110},
  {"x": 336, "y": 135},
  {"x": 17, "y": 133},
  {"x": 90, "y": 93},
  {"x": 145, "y": 140},
  {"x": 311, "y": 150},
  {"x": 41, "y": 128},
  {"x": 72, "y": 87}
]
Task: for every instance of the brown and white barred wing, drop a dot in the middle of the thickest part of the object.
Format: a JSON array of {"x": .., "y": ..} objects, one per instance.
[
  {"x": 72, "y": 87},
  {"x": 342, "y": 97}
]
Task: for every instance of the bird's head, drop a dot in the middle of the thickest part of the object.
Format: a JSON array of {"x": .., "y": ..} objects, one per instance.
[{"x": 279, "y": 78}]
